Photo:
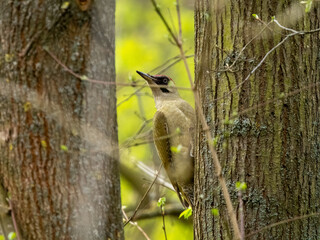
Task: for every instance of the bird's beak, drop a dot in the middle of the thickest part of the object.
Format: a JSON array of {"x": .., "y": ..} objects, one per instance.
[{"x": 149, "y": 78}]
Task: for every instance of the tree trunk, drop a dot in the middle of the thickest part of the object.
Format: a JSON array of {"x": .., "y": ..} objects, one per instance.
[
  {"x": 59, "y": 154},
  {"x": 272, "y": 142}
]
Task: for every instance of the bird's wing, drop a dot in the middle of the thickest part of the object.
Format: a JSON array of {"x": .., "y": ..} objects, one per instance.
[
  {"x": 161, "y": 135},
  {"x": 189, "y": 112}
]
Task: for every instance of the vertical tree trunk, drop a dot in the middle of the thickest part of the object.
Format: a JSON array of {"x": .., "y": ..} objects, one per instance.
[
  {"x": 273, "y": 142},
  {"x": 59, "y": 154}
]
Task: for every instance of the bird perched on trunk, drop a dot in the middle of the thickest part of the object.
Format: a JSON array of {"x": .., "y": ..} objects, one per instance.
[{"x": 173, "y": 127}]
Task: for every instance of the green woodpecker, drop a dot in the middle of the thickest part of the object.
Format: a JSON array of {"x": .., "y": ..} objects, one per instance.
[{"x": 173, "y": 127}]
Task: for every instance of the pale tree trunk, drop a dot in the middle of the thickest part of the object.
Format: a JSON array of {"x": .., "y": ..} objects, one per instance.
[
  {"x": 59, "y": 154},
  {"x": 274, "y": 146}
]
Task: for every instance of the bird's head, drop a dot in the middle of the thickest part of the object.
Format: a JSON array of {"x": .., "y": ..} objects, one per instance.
[{"x": 161, "y": 85}]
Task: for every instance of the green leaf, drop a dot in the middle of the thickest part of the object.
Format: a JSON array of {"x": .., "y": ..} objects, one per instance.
[
  {"x": 64, "y": 148},
  {"x": 176, "y": 149},
  {"x": 2, "y": 237},
  {"x": 215, "y": 141},
  {"x": 186, "y": 213},
  {"x": 161, "y": 202},
  {"x": 84, "y": 78},
  {"x": 215, "y": 212},
  {"x": 26, "y": 106},
  {"x": 8, "y": 57},
  {"x": 255, "y": 16},
  {"x": 12, "y": 235},
  {"x": 43, "y": 143},
  {"x": 178, "y": 130},
  {"x": 65, "y": 5},
  {"x": 308, "y": 4},
  {"x": 241, "y": 186}
]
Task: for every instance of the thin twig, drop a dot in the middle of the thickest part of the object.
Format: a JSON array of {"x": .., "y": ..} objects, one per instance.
[
  {"x": 294, "y": 33},
  {"x": 144, "y": 196},
  {"x": 292, "y": 93},
  {"x": 14, "y": 219},
  {"x": 87, "y": 79},
  {"x": 172, "y": 22},
  {"x": 255, "y": 68},
  {"x": 282, "y": 222},
  {"x": 163, "y": 183},
  {"x": 152, "y": 173},
  {"x": 150, "y": 141},
  {"x": 158, "y": 11},
  {"x": 163, "y": 222},
  {"x": 241, "y": 51},
  {"x": 266, "y": 24},
  {"x": 165, "y": 63},
  {"x": 136, "y": 225},
  {"x": 241, "y": 213},
  {"x": 172, "y": 64},
  {"x": 130, "y": 96},
  {"x": 33, "y": 39},
  {"x": 285, "y": 28},
  {"x": 171, "y": 210},
  {"x": 179, "y": 21}
]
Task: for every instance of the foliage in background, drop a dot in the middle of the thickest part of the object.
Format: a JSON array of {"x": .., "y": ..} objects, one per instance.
[{"x": 142, "y": 44}]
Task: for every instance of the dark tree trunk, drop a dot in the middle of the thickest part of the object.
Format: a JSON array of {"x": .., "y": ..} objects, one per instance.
[
  {"x": 273, "y": 142},
  {"x": 59, "y": 154}
]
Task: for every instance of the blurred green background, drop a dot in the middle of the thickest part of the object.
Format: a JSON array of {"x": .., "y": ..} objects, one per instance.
[{"x": 142, "y": 43}]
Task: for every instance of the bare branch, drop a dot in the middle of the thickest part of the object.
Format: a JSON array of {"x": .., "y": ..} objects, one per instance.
[
  {"x": 144, "y": 196},
  {"x": 294, "y": 33},
  {"x": 241, "y": 213},
  {"x": 14, "y": 219},
  {"x": 130, "y": 96},
  {"x": 136, "y": 225},
  {"x": 256, "y": 67},
  {"x": 157, "y": 9},
  {"x": 282, "y": 222},
  {"x": 248, "y": 43},
  {"x": 163, "y": 221},
  {"x": 290, "y": 94},
  {"x": 87, "y": 79},
  {"x": 153, "y": 173},
  {"x": 171, "y": 210}
]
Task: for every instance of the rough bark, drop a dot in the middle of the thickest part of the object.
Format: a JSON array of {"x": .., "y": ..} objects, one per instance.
[
  {"x": 274, "y": 147},
  {"x": 59, "y": 155}
]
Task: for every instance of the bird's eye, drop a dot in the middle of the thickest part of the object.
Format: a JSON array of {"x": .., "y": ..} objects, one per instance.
[{"x": 165, "y": 80}]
